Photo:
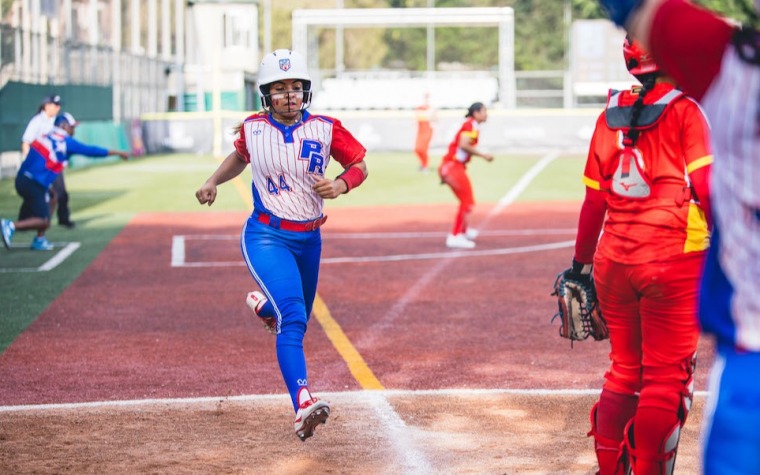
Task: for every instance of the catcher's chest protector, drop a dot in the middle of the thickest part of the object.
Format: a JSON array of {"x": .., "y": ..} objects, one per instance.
[{"x": 630, "y": 179}]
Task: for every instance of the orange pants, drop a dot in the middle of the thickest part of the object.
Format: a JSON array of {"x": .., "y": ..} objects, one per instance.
[{"x": 422, "y": 143}]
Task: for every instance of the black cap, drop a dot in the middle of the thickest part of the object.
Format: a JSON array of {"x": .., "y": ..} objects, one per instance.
[{"x": 52, "y": 99}]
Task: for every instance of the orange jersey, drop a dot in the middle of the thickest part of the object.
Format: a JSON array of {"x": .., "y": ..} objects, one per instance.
[
  {"x": 667, "y": 221},
  {"x": 424, "y": 113},
  {"x": 471, "y": 130}
]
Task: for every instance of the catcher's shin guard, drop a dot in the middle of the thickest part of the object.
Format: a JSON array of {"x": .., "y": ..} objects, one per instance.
[
  {"x": 608, "y": 451},
  {"x": 659, "y": 462}
]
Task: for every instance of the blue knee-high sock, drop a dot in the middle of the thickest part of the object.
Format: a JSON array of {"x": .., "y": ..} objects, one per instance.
[
  {"x": 267, "y": 310},
  {"x": 292, "y": 360}
]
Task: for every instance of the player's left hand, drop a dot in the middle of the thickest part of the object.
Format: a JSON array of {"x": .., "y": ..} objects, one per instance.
[
  {"x": 329, "y": 189},
  {"x": 579, "y": 312}
]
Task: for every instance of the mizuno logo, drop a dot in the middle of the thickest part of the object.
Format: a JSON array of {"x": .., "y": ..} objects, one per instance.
[{"x": 627, "y": 186}]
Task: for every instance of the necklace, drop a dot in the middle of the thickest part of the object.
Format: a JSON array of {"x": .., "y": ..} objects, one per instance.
[{"x": 294, "y": 121}]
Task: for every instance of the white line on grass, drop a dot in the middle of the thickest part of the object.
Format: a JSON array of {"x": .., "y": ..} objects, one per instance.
[
  {"x": 522, "y": 184},
  {"x": 51, "y": 263},
  {"x": 60, "y": 256}
]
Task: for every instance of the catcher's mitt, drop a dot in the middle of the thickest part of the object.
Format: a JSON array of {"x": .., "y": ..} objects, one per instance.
[{"x": 578, "y": 307}]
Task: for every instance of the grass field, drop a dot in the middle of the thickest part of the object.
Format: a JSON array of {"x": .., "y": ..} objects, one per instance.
[{"x": 104, "y": 198}]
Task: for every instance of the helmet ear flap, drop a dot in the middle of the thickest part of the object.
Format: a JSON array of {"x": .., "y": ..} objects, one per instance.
[
  {"x": 306, "y": 94},
  {"x": 266, "y": 101}
]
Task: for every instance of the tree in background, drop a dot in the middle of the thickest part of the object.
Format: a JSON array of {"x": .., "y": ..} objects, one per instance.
[{"x": 540, "y": 34}]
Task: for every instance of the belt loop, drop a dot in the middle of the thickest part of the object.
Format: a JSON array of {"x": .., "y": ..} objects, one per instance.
[{"x": 274, "y": 221}]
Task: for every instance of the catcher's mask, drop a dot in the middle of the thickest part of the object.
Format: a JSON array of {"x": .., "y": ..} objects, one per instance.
[
  {"x": 279, "y": 65},
  {"x": 638, "y": 61}
]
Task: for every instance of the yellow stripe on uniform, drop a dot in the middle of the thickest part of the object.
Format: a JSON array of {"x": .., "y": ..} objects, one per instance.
[
  {"x": 593, "y": 184},
  {"x": 340, "y": 341},
  {"x": 356, "y": 364},
  {"x": 699, "y": 163}
]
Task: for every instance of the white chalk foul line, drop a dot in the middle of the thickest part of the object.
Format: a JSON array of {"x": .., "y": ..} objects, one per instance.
[
  {"x": 51, "y": 263},
  {"x": 60, "y": 256},
  {"x": 178, "y": 260},
  {"x": 451, "y": 254},
  {"x": 411, "y": 459},
  {"x": 345, "y": 396},
  {"x": 179, "y": 242}
]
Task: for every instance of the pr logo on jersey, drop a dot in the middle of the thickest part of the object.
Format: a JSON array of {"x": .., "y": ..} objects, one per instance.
[
  {"x": 285, "y": 64},
  {"x": 312, "y": 151}
]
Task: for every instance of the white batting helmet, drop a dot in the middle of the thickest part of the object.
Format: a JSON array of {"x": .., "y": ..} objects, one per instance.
[{"x": 279, "y": 65}]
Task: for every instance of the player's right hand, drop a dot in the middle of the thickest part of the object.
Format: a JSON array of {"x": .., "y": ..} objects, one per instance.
[{"x": 206, "y": 194}]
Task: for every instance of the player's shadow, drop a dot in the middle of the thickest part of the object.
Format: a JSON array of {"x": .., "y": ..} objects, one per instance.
[{"x": 81, "y": 200}]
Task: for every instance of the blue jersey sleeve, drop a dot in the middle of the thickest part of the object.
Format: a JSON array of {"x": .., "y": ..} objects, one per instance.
[{"x": 75, "y": 147}]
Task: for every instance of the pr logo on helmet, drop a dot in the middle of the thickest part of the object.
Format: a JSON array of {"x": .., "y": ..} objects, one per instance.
[{"x": 285, "y": 64}]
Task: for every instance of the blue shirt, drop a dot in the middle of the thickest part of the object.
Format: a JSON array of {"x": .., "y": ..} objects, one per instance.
[{"x": 49, "y": 154}]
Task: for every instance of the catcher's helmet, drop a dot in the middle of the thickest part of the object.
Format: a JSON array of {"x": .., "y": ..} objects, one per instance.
[
  {"x": 279, "y": 65},
  {"x": 637, "y": 60}
]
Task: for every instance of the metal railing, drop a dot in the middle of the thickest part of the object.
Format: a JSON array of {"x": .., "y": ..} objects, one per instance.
[{"x": 140, "y": 83}]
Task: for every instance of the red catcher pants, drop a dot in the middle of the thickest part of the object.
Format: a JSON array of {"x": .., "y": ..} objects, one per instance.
[{"x": 651, "y": 312}]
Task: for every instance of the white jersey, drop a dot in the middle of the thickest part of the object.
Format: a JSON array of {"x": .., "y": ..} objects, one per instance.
[
  {"x": 38, "y": 126},
  {"x": 732, "y": 104},
  {"x": 287, "y": 160}
]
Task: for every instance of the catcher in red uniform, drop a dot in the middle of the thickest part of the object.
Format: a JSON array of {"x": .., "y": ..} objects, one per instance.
[{"x": 647, "y": 171}]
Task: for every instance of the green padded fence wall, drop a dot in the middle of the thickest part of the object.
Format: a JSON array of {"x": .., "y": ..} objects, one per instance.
[{"x": 20, "y": 101}]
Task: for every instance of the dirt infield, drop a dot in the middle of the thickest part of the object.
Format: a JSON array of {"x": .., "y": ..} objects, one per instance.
[{"x": 153, "y": 363}]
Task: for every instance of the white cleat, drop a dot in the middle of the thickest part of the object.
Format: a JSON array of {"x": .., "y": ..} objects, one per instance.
[
  {"x": 472, "y": 234},
  {"x": 255, "y": 301},
  {"x": 311, "y": 413},
  {"x": 459, "y": 241}
]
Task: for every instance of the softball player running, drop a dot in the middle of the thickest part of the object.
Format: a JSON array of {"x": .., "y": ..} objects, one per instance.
[
  {"x": 646, "y": 180},
  {"x": 453, "y": 172},
  {"x": 719, "y": 63},
  {"x": 288, "y": 150}
]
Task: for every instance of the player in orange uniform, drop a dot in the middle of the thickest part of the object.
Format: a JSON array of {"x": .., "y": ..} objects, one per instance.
[
  {"x": 453, "y": 172},
  {"x": 647, "y": 169},
  {"x": 425, "y": 118}
]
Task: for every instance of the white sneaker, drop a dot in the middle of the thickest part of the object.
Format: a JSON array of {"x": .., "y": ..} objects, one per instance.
[
  {"x": 255, "y": 300},
  {"x": 7, "y": 228},
  {"x": 311, "y": 412},
  {"x": 472, "y": 234},
  {"x": 459, "y": 241}
]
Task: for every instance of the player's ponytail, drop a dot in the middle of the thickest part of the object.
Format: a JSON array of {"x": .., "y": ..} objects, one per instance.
[{"x": 647, "y": 84}]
